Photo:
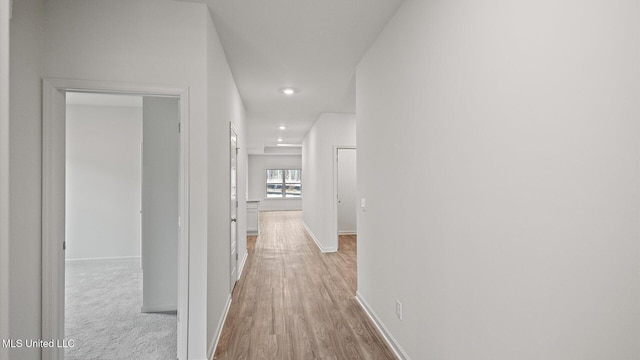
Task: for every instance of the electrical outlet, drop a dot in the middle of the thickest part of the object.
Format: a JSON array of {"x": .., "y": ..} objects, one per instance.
[{"x": 398, "y": 309}]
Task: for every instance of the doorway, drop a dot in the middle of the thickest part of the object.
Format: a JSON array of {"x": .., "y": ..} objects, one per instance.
[
  {"x": 121, "y": 205},
  {"x": 347, "y": 207},
  {"x": 345, "y": 186},
  {"x": 54, "y": 193}
]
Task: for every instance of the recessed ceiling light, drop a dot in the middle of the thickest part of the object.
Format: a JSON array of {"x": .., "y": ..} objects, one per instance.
[
  {"x": 282, "y": 127},
  {"x": 279, "y": 139},
  {"x": 288, "y": 91}
]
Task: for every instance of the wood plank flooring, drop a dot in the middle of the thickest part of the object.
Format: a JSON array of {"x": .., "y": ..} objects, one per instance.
[{"x": 295, "y": 303}]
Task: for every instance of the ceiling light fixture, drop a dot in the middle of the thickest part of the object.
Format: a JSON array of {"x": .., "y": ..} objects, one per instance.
[
  {"x": 279, "y": 139},
  {"x": 288, "y": 91},
  {"x": 282, "y": 127},
  {"x": 290, "y": 145}
]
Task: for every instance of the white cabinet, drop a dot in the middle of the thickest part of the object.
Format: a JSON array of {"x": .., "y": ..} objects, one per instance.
[{"x": 253, "y": 217}]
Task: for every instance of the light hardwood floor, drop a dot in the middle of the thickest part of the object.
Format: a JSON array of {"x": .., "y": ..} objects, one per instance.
[{"x": 295, "y": 303}]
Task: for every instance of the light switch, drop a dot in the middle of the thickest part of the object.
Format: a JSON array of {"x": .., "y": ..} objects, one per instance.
[{"x": 363, "y": 204}]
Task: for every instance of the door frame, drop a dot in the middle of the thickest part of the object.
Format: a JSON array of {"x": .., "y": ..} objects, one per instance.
[
  {"x": 5, "y": 15},
  {"x": 334, "y": 233},
  {"x": 53, "y": 201}
]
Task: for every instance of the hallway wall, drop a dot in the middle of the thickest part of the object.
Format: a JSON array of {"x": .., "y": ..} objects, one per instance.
[
  {"x": 224, "y": 108},
  {"x": 4, "y": 173},
  {"x": 514, "y": 139},
  {"x": 169, "y": 44},
  {"x": 25, "y": 175},
  {"x": 317, "y": 175},
  {"x": 147, "y": 42}
]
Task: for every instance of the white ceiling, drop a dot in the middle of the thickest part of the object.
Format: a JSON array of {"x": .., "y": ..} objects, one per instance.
[{"x": 311, "y": 45}]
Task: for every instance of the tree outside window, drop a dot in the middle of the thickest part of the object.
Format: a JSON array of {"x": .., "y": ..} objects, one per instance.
[{"x": 284, "y": 183}]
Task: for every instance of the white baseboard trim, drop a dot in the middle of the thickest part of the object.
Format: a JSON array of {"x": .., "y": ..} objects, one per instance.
[
  {"x": 159, "y": 308},
  {"x": 350, "y": 232},
  {"x": 391, "y": 341},
  {"x": 244, "y": 261},
  {"x": 104, "y": 258},
  {"x": 212, "y": 347},
  {"x": 315, "y": 239},
  {"x": 253, "y": 233}
]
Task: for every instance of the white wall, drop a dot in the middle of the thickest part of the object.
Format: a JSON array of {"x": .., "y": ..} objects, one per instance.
[
  {"x": 166, "y": 43},
  {"x": 347, "y": 196},
  {"x": 318, "y": 211},
  {"x": 160, "y": 203},
  {"x": 225, "y": 107},
  {"x": 4, "y": 174},
  {"x": 258, "y": 166},
  {"x": 103, "y": 181},
  {"x": 25, "y": 173},
  {"x": 516, "y": 131}
]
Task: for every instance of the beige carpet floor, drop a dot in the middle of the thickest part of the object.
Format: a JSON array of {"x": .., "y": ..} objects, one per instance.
[{"x": 103, "y": 318}]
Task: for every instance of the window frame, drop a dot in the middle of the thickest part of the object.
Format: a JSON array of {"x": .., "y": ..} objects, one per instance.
[{"x": 283, "y": 185}]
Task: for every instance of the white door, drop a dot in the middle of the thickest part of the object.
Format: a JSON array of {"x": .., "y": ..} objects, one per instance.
[
  {"x": 160, "y": 203},
  {"x": 233, "y": 151},
  {"x": 347, "y": 203}
]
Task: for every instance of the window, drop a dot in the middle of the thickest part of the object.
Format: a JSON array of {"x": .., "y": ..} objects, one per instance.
[{"x": 284, "y": 184}]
